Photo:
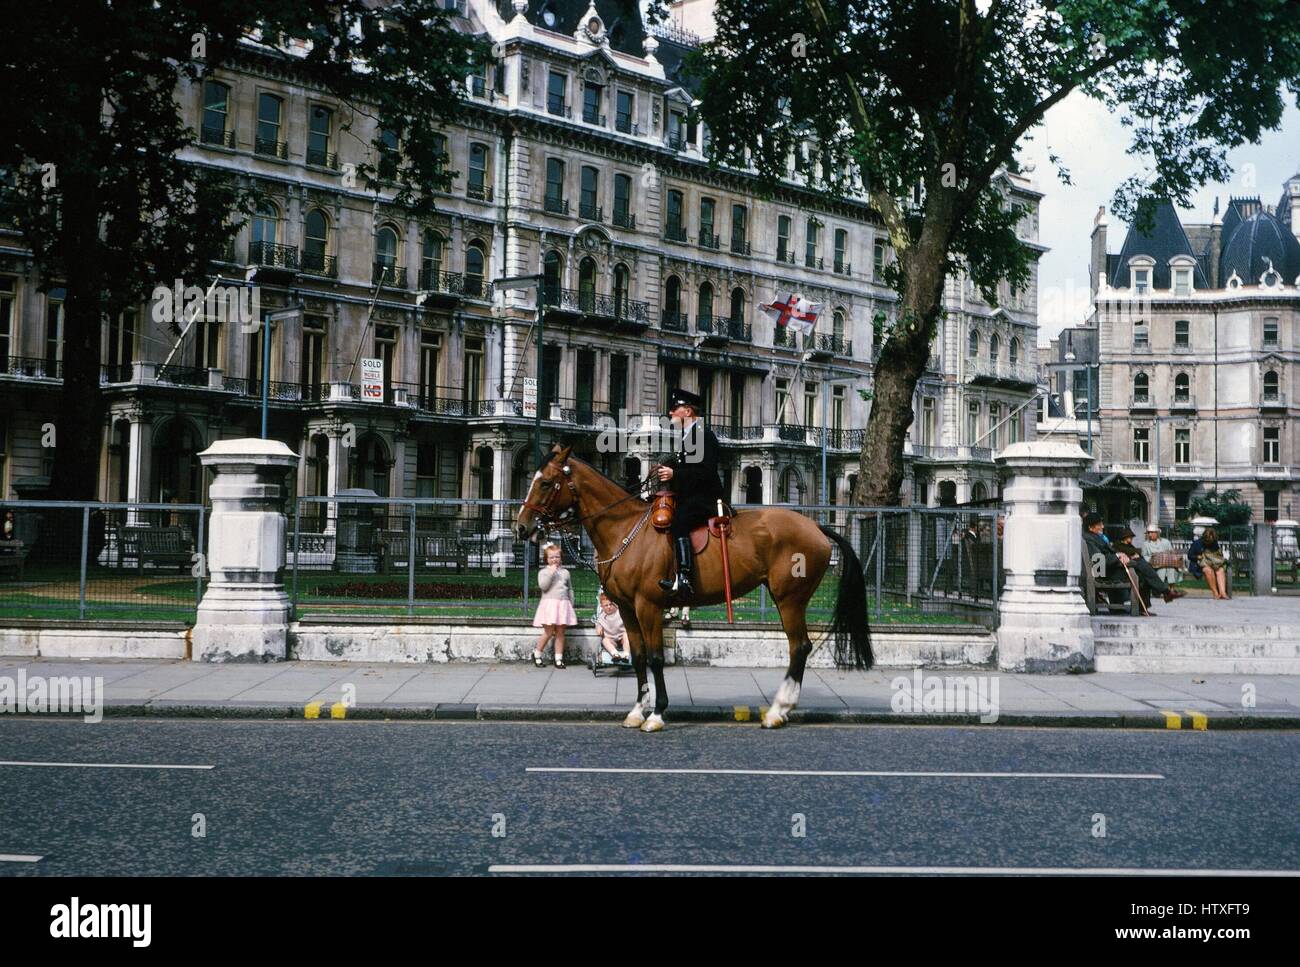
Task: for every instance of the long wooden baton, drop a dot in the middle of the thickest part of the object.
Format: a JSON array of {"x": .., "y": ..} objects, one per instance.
[
  {"x": 1133, "y": 581},
  {"x": 724, "y": 526}
]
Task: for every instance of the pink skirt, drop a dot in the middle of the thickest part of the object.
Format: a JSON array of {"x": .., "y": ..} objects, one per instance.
[{"x": 555, "y": 612}]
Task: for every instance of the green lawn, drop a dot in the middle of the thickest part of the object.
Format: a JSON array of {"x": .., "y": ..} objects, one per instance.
[{"x": 52, "y": 593}]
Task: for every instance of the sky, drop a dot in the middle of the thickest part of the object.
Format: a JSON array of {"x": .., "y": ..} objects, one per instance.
[{"x": 1093, "y": 147}]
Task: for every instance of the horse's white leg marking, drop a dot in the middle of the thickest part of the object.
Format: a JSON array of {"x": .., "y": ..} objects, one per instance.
[
  {"x": 637, "y": 716},
  {"x": 787, "y": 697}
]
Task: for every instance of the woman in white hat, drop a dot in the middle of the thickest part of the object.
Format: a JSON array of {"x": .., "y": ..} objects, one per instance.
[{"x": 1155, "y": 544}]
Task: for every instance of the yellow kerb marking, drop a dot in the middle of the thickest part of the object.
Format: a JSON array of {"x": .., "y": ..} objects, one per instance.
[
  {"x": 338, "y": 711},
  {"x": 1172, "y": 719},
  {"x": 741, "y": 712},
  {"x": 1199, "y": 721},
  {"x": 311, "y": 711}
]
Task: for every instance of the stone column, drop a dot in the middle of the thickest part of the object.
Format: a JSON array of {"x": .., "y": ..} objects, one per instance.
[
  {"x": 1044, "y": 625},
  {"x": 244, "y": 614}
]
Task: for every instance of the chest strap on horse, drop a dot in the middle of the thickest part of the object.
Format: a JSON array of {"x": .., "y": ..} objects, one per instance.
[{"x": 723, "y": 531}]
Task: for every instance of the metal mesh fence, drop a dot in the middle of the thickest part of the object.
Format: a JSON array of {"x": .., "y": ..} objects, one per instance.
[
  {"x": 351, "y": 555},
  {"x": 105, "y": 561}
]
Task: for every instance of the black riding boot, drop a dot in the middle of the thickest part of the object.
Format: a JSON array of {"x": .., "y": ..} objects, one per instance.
[{"x": 681, "y": 586}]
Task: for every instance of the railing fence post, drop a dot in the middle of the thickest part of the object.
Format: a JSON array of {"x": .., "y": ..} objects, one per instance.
[
  {"x": 881, "y": 545},
  {"x": 297, "y": 543},
  {"x": 410, "y": 565},
  {"x": 85, "y": 544}
]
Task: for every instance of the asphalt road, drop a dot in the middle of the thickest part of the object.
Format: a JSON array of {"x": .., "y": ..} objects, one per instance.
[{"x": 422, "y": 798}]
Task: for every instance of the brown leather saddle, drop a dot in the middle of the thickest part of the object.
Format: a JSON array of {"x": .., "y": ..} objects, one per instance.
[{"x": 700, "y": 535}]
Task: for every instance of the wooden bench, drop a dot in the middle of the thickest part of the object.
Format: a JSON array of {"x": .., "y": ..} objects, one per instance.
[
  {"x": 13, "y": 554},
  {"x": 1094, "y": 587},
  {"x": 432, "y": 550},
  {"x": 159, "y": 546}
]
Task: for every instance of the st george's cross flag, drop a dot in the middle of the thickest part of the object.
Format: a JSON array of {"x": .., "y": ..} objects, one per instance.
[{"x": 796, "y": 313}]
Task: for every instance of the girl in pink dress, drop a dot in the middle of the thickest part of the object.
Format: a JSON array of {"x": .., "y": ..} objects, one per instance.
[{"x": 555, "y": 610}]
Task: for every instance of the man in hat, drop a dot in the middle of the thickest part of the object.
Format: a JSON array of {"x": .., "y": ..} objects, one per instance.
[
  {"x": 1114, "y": 560},
  {"x": 690, "y": 472},
  {"x": 1155, "y": 544}
]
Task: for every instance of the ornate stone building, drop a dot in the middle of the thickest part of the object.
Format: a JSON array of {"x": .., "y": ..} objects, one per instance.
[
  {"x": 1199, "y": 341},
  {"x": 578, "y": 159}
]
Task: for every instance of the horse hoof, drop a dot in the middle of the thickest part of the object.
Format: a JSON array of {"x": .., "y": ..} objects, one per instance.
[
  {"x": 633, "y": 720},
  {"x": 773, "y": 720},
  {"x": 654, "y": 723}
]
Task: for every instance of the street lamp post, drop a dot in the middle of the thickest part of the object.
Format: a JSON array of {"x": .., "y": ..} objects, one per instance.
[
  {"x": 531, "y": 283},
  {"x": 268, "y": 320}
]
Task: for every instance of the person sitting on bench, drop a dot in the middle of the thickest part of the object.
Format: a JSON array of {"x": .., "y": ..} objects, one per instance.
[{"x": 1148, "y": 580}]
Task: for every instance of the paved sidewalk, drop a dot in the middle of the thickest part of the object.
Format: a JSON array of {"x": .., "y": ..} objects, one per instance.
[{"x": 522, "y": 692}]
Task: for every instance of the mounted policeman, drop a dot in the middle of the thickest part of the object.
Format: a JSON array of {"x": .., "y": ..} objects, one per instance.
[{"x": 690, "y": 472}]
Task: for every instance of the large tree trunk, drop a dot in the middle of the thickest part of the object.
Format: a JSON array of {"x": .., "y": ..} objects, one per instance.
[
  {"x": 79, "y": 425},
  {"x": 902, "y": 361}
]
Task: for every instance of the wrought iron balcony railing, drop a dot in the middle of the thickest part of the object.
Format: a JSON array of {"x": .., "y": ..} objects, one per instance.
[
  {"x": 275, "y": 256},
  {"x": 318, "y": 263},
  {"x": 37, "y": 368},
  {"x": 556, "y": 206},
  {"x": 393, "y": 276},
  {"x": 322, "y": 159},
  {"x": 590, "y": 116},
  {"x": 740, "y": 246},
  {"x": 841, "y": 267},
  {"x": 787, "y": 257},
  {"x": 625, "y": 124},
  {"x": 708, "y": 240},
  {"x": 674, "y": 321},
  {"x": 624, "y": 219},
  {"x": 813, "y": 262},
  {"x": 272, "y": 149},
  {"x": 676, "y": 233},
  {"x": 218, "y": 136},
  {"x": 479, "y": 192},
  {"x": 591, "y": 213}
]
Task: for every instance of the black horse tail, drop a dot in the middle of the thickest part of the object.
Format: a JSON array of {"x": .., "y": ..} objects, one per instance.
[{"x": 849, "y": 626}]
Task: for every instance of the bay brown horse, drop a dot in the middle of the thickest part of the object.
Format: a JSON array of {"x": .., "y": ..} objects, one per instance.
[{"x": 779, "y": 548}]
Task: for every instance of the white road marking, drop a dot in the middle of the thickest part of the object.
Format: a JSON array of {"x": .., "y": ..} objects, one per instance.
[
  {"x": 852, "y": 773},
  {"x": 889, "y": 870},
  {"x": 19, "y": 858},
  {"x": 101, "y": 765}
]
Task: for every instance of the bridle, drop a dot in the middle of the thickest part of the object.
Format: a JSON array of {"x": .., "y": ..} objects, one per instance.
[{"x": 566, "y": 518}]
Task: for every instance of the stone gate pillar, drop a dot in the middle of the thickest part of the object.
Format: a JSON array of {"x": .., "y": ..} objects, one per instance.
[
  {"x": 1044, "y": 625},
  {"x": 244, "y": 614}
]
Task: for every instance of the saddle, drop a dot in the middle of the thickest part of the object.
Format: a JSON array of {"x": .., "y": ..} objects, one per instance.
[{"x": 700, "y": 535}]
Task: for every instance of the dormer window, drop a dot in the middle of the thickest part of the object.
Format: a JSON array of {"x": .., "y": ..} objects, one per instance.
[
  {"x": 1141, "y": 281},
  {"x": 1182, "y": 281}
]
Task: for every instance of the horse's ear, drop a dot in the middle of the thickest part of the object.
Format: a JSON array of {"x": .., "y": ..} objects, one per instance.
[{"x": 562, "y": 452}]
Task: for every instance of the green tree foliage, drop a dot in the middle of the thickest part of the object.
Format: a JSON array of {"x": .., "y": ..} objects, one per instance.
[
  {"x": 91, "y": 147},
  {"x": 925, "y": 103}
]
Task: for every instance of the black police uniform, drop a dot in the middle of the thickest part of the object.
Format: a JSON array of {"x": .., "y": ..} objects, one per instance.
[{"x": 697, "y": 486}]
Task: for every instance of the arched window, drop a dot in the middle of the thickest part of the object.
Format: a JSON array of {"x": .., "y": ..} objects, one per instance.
[
  {"x": 978, "y": 492},
  {"x": 1014, "y": 350},
  {"x": 673, "y": 318},
  {"x": 266, "y": 230},
  {"x": 973, "y": 344},
  {"x": 621, "y": 283},
  {"x": 475, "y": 262},
  {"x": 431, "y": 260},
  {"x": 1182, "y": 387},
  {"x": 791, "y": 486},
  {"x": 315, "y": 241},
  {"x": 995, "y": 346},
  {"x": 837, "y": 328},
  {"x": 386, "y": 251},
  {"x": 1141, "y": 388},
  {"x": 1270, "y": 385},
  {"x": 738, "y": 306},
  {"x": 704, "y": 304},
  {"x": 552, "y": 275},
  {"x": 587, "y": 284}
]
